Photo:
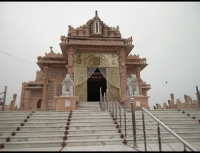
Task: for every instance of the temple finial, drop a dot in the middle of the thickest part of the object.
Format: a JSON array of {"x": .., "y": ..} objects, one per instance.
[
  {"x": 96, "y": 14},
  {"x": 51, "y": 50}
]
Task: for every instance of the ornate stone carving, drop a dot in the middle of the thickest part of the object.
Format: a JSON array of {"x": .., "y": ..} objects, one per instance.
[
  {"x": 96, "y": 59},
  {"x": 89, "y": 30}
]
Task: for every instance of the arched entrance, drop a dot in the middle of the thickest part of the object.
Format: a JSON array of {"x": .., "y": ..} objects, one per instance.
[
  {"x": 39, "y": 103},
  {"x": 94, "y": 82}
]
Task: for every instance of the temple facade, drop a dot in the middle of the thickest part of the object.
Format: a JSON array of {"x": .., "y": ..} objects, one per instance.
[{"x": 97, "y": 59}]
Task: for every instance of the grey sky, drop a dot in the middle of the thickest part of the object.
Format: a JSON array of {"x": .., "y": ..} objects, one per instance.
[{"x": 166, "y": 33}]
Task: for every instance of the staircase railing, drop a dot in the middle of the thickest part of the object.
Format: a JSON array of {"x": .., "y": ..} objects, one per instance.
[
  {"x": 185, "y": 143},
  {"x": 115, "y": 110}
]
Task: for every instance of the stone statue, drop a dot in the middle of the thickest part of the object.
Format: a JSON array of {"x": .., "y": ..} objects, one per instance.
[
  {"x": 132, "y": 85},
  {"x": 67, "y": 86},
  {"x": 129, "y": 40},
  {"x": 40, "y": 58},
  {"x": 63, "y": 38}
]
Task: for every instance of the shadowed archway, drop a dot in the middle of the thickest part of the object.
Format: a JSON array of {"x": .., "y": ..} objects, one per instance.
[
  {"x": 39, "y": 103},
  {"x": 94, "y": 82}
]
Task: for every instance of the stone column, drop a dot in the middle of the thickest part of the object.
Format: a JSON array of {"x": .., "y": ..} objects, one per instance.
[
  {"x": 45, "y": 88},
  {"x": 145, "y": 92},
  {"x": 70, "y": 65},
  {"x": 122, "y": 71},
  {"x": 138, "y": 69}
]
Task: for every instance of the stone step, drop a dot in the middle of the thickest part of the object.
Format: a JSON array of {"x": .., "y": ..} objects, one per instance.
[
  {"x": 41, "y": 137},
  {"x": 169, "y": 139},
  {"x": 28, "y": 128},
  {"x": 35, "y": 132},
  {"x": 181, "y": 122},
  {"x": 193, "y": 125},
  {"x": 92, "y": 126},
  {"x": 64, "y": 123},
  {"x": 42, "y": 144},
  {"x": 59, "y": 137},
  {"x": 58, "y": 132},
  {"x": 181, "y": 116},
  {"x": 60, "y": 127},
  {"x": 33, "y": 144},
  {"x": 4, "y": 125},
  {"x": 185, "y": 128},
  {"x": 164, "y": 134},
  {"x": 15, "y": 119},
  {"x": 94, "y": 142},
  {"x": 175, "y": 118}
]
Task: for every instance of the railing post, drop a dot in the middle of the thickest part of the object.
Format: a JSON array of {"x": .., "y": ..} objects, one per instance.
[
  {"x": 4, "y": 98},
  {"x": 144, "y": 131},
  {"x": 159, "y": 140},
  {"x": 133, "y": 122},
  {"x": 112, "y": 108},
  {"x": 125, "y": 124},
  {"x": 120, "y": 115},
  {"x": 184, "y": 148},
  {"x": 107, "y": 97},
  {"x": 100, "y": 95},
  {"x": 116, "y": 110}
]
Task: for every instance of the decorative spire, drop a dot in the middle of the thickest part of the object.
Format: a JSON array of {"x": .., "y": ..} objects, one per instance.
[
  {"x": 51, "y": 50},
  {"x": 96, "y": 14}
]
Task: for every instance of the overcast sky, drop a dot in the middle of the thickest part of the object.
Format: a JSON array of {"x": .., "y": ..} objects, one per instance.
[{"x": 167, "y": 34}]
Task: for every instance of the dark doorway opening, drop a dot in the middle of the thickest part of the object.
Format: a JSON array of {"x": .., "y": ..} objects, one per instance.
[
  {"x": 94, "y": 83},
  {"x": 39, "y": 103}
]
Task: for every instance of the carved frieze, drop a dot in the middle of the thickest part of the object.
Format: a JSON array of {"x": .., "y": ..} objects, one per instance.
[{"x": 96, "y": 59}]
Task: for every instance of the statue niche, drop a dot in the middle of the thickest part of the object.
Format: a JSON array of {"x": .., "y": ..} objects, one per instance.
[
  {"x": 67, "y": 86},
  {"x": 132, "y": 86}
]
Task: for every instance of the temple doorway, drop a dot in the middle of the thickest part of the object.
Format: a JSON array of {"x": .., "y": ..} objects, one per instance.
[
  {"x": 39, "y": 103},
  {"x": 94, "y": 83}
]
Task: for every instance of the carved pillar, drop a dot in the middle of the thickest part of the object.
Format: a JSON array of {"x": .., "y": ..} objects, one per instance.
[
  {"x": 45, "y": 88},
  {"x": 138, "y": 69},
  {"x": 70, "y": 65},
  {"x": 145, "y": 92},
  {"x": 122, "y": 70}
]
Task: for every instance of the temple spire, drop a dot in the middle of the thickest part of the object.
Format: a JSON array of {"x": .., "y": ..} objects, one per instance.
[{"x": 96, "y": 13}]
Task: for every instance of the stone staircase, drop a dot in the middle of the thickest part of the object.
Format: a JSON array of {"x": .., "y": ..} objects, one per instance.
[{"x": 88, "y": 127}]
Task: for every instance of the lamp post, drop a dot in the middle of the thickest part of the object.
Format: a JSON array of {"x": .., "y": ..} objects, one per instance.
[
  {"x": 133, "y": 123},
  {"x": 198, "y": 96},
  {"x": 4, "y": 98}
]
